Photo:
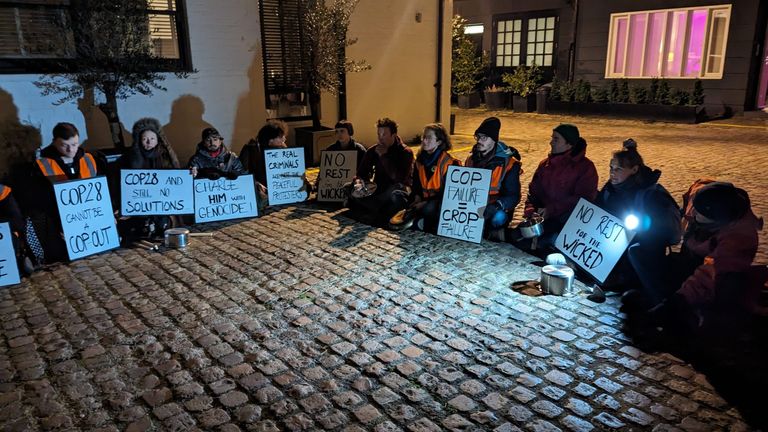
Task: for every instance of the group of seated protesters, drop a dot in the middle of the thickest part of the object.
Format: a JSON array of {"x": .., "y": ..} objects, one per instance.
[{"x": 719, "y": 231}]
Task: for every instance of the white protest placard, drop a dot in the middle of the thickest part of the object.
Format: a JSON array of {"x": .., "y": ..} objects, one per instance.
[
  {"x": 156, "y": 192},
  {"x": 594, "y": 239},
  {"x": 285, "y": 171},
  {"x": 337, "y": 168},
  {"x": 86, "y": 216},
  {"x": 9, "y": 272},
  {"x": 224, "y": 199},
  {"x": 464, "y": 199}
]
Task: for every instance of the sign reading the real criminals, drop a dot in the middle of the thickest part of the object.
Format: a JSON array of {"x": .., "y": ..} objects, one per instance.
[{"x": 285, "y": 175}]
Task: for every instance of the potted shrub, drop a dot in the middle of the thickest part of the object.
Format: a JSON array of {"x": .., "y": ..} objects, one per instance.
[
  {"x": 466, "y": 66},
  {"x": 523, "y": 83},
  {"x": 496, "y": 97}
]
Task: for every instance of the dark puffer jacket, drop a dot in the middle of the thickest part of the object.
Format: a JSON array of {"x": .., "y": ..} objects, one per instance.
[
  {"x": 225, "y": 163},
  {"x": 160, "y": 157}
]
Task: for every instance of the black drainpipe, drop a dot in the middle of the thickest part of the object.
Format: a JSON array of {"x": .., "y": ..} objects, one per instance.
[
  {"x": 439, "y": 83},
  {"x": 572, "y": 48}
]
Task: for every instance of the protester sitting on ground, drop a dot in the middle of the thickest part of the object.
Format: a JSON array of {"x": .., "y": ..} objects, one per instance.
[
  {"x": 634, "y": 195},
  {"x": 213, "y": 160},
  {"x": 505, "y": 166},
  {"x": 344, "y": 141},
  {"x": 150, "y": 149},
  {"x": 389, "y": 165},
  {"x": 560, "y": 180},
  {"x": 10, "y": 213},
  {"x": 430, "y": 168},
  {"x": 62, "y": 160},
  {"x": 712, "y": 278}
]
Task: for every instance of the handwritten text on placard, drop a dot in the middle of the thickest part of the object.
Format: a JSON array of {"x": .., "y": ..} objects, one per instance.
[
  {"x": 86, "y": 216},
  {"x": 464, "y": 198},
  {"x": 225, "y": 199},
  {"x": 155, "y": 192},
  {"x": 337, "y": 168},
  {"x": 594, "y": 239},
  {"x": 9, "y": 272},
  {"x": 285, "y": 171}
]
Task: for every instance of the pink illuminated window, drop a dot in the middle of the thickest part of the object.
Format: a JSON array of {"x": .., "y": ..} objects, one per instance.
[
  {"x": 696, "y": 44},
  {"x": 620, "y": 39},
  {"x": 676, "y": 36},
  {"x": 654, "y": 44},
  {"x": 635, "y": 45}
]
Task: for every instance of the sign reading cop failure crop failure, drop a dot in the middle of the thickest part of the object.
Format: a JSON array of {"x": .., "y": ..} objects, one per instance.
[
  {"x": 86, "y": 216},
  {"x": 155, "y": 192},
  {"x": 285, "y": 175},
  {"x": 224, "y": 199},
  {"x": 464, "y": 198},
  {"x": 594, "y": 239},
  {"x": 9, "y": 272}
]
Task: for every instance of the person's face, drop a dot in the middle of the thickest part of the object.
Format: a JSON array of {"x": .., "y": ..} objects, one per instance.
[
  {"x": 67, "y": 148},
  {"x": 558, "y": 143},
  {"x": 484, "y": 143},
  {"x": 342, "y": 134},
  {"x": 213, "y": 143},
  {"x": 148, "y": 140},
  {"x": 278, "y": 142},
  {"x": 620, "y": 174},
  {"x": 386, "y": 138},
  {"x": 429, "y": 142}
]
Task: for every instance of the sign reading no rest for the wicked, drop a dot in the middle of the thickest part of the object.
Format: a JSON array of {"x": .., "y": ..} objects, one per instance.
[
  {"x": 9, "y": 272},
  {"x": 337, "y": 168},
  {"x": 86, "y": 216},
  {"x": 464, "y": 197},
  {"x": 224, "y": 199},
  {"x": 285, "y": 175},
  {"x": 155, "y": 192},
  {"x": 594, "y": 239}
]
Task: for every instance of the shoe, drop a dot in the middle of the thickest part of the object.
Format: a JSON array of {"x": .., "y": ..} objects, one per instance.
[
  {"x": 597, "y": 296},
  {"x": 420, "y": 224},
  {"x": 496, "y": 235}
]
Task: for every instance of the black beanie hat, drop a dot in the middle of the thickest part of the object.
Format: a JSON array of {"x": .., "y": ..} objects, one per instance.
[
  {"x": 569, "y": 132},
  {"x": 210, "y": 133},
  {"x": 490, "y": 127},
  {"x": 722, "y": 202}
]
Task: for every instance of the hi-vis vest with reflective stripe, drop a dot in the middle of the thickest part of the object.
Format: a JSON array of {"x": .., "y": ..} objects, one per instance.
[
  {"x": 497, "y": 176},
  {"x": 4, "y": 192},
  {"x": 50, "y": 168},
  {"x": 432, "y": 186}
]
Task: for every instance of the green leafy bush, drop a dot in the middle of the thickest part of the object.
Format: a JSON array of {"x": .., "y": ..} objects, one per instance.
[
  {"x": 583, "y": 91},
  {"x": 600, "y": 94},
  {"x": 524, "y": 80}
]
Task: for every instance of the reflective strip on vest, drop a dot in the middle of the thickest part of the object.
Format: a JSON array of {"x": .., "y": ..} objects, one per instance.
[
  {"x": 497, "y": 176},
  {"x": 4, "y": 192},
  {"x": 49, "y": 167},
  {"x": 87, "y": 166},
  {"x": 432, "y": 186}
]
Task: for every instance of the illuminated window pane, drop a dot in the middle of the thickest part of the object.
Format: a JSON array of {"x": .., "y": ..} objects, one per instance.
[
  {"x": 696, "y": 44},
  {"x": 515, "y": 62},
  {"x": 621, "y": 34},
  {"x": 547, "y": 60},
  {"x": 539, "y": 48},
  {"x": 676, "y": 30},
  {"x": 508, "y": 61},
  {"x": 502, "y": 26},
  {"x": 499, "y": 60},
  {"x": 551, "y": 22},
  {"x": 530, "y": 60},
  {"x": 530, "y": 48},
  {"x": 540, "y": 36},
  {"x": 654, "y": 44},
  {"x": 516, "y": 38},
  {"x": 548, "y": 48},
  {"x": 518, "y": 25},
  {"x": 531, "y": 36},
  {"x": 717, "y": 44},
  {"x": 635, "y": 44},
  {"x": 549, "y": 36},
  {"x": 539, "y": 60},
  {"x": 516, "y": 49},
  {"x": 541, "y": 23},
  {"x": 532, "y": 24},
  {"x": 507, "y": 49}
]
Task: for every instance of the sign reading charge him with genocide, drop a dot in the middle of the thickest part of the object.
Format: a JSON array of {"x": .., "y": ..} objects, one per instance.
[
  {"x": 464, "y": 199},
  {"x": 156, "y": 192},
  {"x": 285, "y": 171},
  {"x": 9, "y": 272},
  {"x": 224, "y": 199},
  {"x": 86, "y": 216},
  {"x": 594, "y": 239},
  {"x": 337, "y": 168}
]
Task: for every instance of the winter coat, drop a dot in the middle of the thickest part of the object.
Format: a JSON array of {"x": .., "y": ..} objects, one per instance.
[
  {"x": 10, "y": 212},
  {"x": 160, "y": 157},
  {"x": 559, "y": 182},
  {"x": 505, "y": 169},
  {"x": 394, "y": 168},
  {"x": 252, "y": 159},
  {"x": 226, "y": 163}
]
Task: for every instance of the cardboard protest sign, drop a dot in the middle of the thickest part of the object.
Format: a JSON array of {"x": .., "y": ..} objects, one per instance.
[
  {"x": 9, "y": 272},
  {"x": 86, "y": 216},
  {"x": 285, "y": 171},
  {"x": 337, "y": 168},
  {"x": 156, "y": 192},
  {"x": 224, "y": 199},
  {"x": 594, "y": 239},
  {"x": 464, "y": 200}
]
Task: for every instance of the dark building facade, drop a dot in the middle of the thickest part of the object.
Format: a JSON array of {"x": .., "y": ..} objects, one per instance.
[{"x": 721, "y": 43}]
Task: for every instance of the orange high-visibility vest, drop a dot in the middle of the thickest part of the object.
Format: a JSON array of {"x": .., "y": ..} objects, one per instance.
[
  {"x": 4, "y": 192},
  {"x": 497, "y": 176},
  {"x": 50, "y": 168},
  {"x": 433, "y": 185}
]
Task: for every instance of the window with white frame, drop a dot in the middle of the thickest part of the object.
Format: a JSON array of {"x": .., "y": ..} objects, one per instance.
[
  {"x": 525, "y": 41},
  {"x": 669, "y": 43}
]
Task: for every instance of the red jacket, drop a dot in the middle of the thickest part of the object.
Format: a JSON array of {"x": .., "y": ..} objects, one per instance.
[
  {"x": 558, "y": 183},
  {"x": 730, "y": 249}
]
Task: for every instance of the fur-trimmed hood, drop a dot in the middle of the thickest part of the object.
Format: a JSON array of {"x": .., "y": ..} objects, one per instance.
[{"x": 163, "y": 153}]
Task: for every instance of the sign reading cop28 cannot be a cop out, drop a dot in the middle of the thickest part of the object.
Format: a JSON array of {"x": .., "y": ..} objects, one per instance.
[
  {"x": 464, "y": 197},
  {"x": 155, "y": 192},
  {"x": 9, "y": 273},
  {"x": 224, "y": 199},
  {"x": 86, "y": 216},
  {"x": 594, "y": 239}
]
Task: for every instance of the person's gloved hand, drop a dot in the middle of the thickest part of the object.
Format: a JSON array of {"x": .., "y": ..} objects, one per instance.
[
  {"x": 491, "y": 209},
  {"x": 231, "y": 176}
]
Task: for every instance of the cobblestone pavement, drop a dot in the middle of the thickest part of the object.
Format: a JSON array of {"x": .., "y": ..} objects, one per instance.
[
  {"x": 737, "y": 153},
  {"x": 305, "y": 320}
]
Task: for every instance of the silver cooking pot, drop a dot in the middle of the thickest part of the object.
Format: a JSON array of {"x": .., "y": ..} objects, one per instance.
[
  {"x": 532, "y": 227},
  {"x": 177, "y": 238},
  {"x": 556, "y": 279}
]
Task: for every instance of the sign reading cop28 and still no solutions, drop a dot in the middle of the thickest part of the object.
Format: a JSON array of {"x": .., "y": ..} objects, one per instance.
[
  {"x": 285, "y": 175},
  {"x": 464, "y": 197},
  {"x": 594, "y": 239},
  {"x": 225, "y": 199},
  {"x": 155, "y": 192},
  {"x": 9, "y": 272},
  {"x": 86, "y": 216}
]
